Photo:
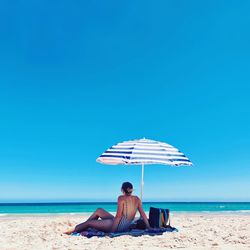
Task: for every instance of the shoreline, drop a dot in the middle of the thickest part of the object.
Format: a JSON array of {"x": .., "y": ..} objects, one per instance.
[
  {"x": 85, "y": 215},
  {"x": 229, "y": 212}
]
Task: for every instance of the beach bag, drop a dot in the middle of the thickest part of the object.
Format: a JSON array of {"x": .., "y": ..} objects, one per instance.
[{"x": 159, "y": 217}]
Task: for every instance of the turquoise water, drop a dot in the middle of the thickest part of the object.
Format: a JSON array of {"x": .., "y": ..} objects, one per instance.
[{"x": 88, "y": 207}]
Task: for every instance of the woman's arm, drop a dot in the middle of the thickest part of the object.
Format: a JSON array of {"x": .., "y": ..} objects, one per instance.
[
  {"x": 118, "y": 214},
  {"x": 142, "y": 213}
]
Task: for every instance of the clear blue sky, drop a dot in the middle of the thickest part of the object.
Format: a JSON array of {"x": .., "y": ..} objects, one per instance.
[{"x": 77, "y": 77}]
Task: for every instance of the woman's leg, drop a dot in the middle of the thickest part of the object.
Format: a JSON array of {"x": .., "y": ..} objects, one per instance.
[
  {"x": 102, "y": 225},
  {"x": 100, "y": 213}
]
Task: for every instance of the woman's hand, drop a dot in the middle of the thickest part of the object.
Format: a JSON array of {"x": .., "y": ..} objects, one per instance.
[{"x": 150, "y": 228}]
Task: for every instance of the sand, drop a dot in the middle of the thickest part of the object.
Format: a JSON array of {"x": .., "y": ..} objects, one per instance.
[{"x": 196, "y": 231}]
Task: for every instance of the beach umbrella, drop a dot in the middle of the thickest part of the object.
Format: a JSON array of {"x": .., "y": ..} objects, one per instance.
[{"x": 143, "y": 152}]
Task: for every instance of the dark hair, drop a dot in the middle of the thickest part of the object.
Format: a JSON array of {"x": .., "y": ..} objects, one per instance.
[{"x": 127, "y": 188}]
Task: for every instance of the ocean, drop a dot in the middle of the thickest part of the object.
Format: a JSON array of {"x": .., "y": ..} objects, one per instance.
[{"x": 88, "y": 207}]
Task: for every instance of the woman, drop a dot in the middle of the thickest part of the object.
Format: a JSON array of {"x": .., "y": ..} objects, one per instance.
[{"x": 128, "y": 205}]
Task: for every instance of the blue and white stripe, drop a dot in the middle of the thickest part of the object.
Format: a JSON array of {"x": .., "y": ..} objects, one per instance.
[{"x": 144, "y": 151}]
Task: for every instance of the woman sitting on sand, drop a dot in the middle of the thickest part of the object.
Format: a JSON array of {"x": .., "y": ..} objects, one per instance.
[{"x": 127, "y": 208}]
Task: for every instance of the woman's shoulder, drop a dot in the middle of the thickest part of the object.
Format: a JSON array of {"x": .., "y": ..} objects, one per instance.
[
  {"x": 121, "y": 197},
  {"x": 136, "y": 198}
]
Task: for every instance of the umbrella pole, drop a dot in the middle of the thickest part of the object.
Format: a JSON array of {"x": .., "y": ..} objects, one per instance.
[{"x": 142, "y": 179}]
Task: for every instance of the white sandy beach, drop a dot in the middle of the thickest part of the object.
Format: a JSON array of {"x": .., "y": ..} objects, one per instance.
[{"x": 196, "y": 231}]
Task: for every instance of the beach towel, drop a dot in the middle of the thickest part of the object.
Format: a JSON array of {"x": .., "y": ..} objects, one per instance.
[{"x": 134, "y": 232}]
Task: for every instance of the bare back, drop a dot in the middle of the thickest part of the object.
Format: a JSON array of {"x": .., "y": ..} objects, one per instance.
[{"x": 129, "y": 205}]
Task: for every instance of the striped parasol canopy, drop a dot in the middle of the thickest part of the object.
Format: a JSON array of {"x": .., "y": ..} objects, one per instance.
[{"x": 142, "y": 152}]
